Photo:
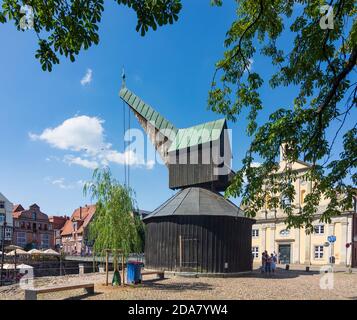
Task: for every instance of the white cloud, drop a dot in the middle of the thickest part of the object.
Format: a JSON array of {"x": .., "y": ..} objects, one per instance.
[
  {"x": 255, "y": 164},
  {"x": 90, "y": 164},
  {"x": 85, "y": 135},
  {"x": 80, "y": 133},
  {"x": 249, "y": 66},
  {"x": 60, "y": 183},
  {"x": 129, "y": 157},
  {"x": 88, "y": 77},
  {"x": 53, "y": 159},
  {"x": 63, "y": 184}
]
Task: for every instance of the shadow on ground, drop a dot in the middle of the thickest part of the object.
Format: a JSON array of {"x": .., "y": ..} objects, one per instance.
[
  {"x": 279, "y": 274},
  {"x": 83, "y": 296},
  {"x": 177, "y": 286}
]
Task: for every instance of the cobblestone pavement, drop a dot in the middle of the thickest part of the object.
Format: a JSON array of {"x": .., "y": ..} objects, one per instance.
[{"x": 284, "y": 285}]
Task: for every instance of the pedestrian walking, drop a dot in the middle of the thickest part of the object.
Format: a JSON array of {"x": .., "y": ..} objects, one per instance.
[
  {"x": 268, "y": 264},
  {"x": 263, "y": 261},
  {"x": 273, "y": 263}
]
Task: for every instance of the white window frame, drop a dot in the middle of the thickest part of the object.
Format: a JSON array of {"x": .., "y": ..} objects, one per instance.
[
  {"x": 319, "y": 252},
  {"x": 319, "y": 227},
  {"x": 255, "y": 233},
  {"x": 284, "y": 233},
  {"x": 255, "y": 252}
]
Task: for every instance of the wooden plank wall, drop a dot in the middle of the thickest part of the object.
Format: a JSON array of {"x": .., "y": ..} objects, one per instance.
[{"x": 208, "y": 242}]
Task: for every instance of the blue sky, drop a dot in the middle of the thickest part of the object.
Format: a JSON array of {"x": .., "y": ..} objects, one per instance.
[{"x": 170, "y": 69}]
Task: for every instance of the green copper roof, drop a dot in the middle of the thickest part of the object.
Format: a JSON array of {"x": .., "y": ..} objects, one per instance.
[
  {"x": 203, "y": 133},
  {"x": 183, "y": 138},
  {"x": 145, "y": 110}
]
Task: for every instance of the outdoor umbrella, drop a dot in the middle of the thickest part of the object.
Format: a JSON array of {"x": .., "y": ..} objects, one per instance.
[
  {"x": 19, "y": 252},
  {"x": 51, "y": 252},
  {"x": 13, "y": 247},
  {"x": 24, "y": 266},
  {"x": 35, "y": 251}
]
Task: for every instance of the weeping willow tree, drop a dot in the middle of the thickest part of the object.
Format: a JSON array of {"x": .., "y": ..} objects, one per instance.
[{"x": 114, "y": 225}]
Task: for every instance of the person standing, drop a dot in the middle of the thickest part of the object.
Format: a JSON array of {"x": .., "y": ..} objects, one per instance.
[
  {"x": 268, "y": 263},
  {"x": 263, "y": 261},
  {"x": 273, "y": 263}
]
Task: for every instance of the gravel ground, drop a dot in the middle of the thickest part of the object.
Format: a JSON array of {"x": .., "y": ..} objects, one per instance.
[{"x": 284, "y": 285}]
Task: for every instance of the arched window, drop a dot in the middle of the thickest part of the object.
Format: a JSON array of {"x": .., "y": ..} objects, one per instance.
[
  {"x": 302, "y": 196},
  {"x": 284, "y": 232}
]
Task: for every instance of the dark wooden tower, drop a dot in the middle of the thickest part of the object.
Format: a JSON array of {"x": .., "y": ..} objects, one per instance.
[{"x": 197, "y": 229}]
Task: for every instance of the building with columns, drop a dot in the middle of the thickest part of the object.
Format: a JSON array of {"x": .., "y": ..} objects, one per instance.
[{"x": 294, "y": 246}]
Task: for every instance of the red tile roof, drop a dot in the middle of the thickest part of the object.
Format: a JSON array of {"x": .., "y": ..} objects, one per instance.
[
  {"x": 18, "y": 207},
  {"x": 20, "y": 212},
  {"x": 82, "y": 215},
  {"x": 58, "y": 222}
]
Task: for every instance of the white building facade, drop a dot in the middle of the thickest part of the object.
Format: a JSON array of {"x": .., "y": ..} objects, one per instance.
[
  {"x": 5, "y": 218},
  {"x": 295, "y": 246}
]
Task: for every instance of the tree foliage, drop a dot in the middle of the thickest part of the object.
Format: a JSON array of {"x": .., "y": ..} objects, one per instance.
[
  {"x": 321, "y": 64},
  {"x": 114, "y": 225},
  {"x": 65, "y": 27}
]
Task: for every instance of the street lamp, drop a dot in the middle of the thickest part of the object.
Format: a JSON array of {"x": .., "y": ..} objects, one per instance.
[
  {"x": 2, "y": 250},
  {"x": 61, "y": 260}
]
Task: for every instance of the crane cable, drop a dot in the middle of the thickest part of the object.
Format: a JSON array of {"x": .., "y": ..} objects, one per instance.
[
  {"x": 126, "y": 156},
  {"x": 128, "y": 169},
  {"x": 124, "y": 125}
]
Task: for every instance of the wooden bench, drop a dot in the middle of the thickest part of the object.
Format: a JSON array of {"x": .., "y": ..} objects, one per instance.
[
  {"x": 31, "y": 294},
  {"x": 160, "y": 274}
]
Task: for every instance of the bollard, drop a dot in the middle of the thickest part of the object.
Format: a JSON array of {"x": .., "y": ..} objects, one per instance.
[
  {"x": 287, "y": 267},
  {"x": 81, "y": 268}
]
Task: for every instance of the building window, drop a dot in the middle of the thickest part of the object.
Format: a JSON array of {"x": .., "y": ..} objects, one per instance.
[
  {"x": 33, "y": 215},
  {"x": 255, "y": 252},
  {"x": 302, "y": 196},
  {"x": 285, "y": 202},
  {"x": 284, "y": 232},
  {"x": 8, "y": 234},
  {"x": 17, "y": 224},
  {"x": 2, "y": 218},
  {"x": 319, "y": 252},
  {"x": 45, "y": 240},
  {"x": 21, "y": 239},
  {"x": 255, "y": 233},
  {"x": 2, "y": 205},
  {"x": 320, "y": 229}
]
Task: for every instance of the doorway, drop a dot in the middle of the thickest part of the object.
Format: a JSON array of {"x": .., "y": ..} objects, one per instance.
[
  {"x": 188, "y": 254},
  {"x": 284, "y": 253}
]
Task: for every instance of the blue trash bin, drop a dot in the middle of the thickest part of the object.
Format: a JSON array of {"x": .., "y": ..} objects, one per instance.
[{"x": 134, "y": 272}]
